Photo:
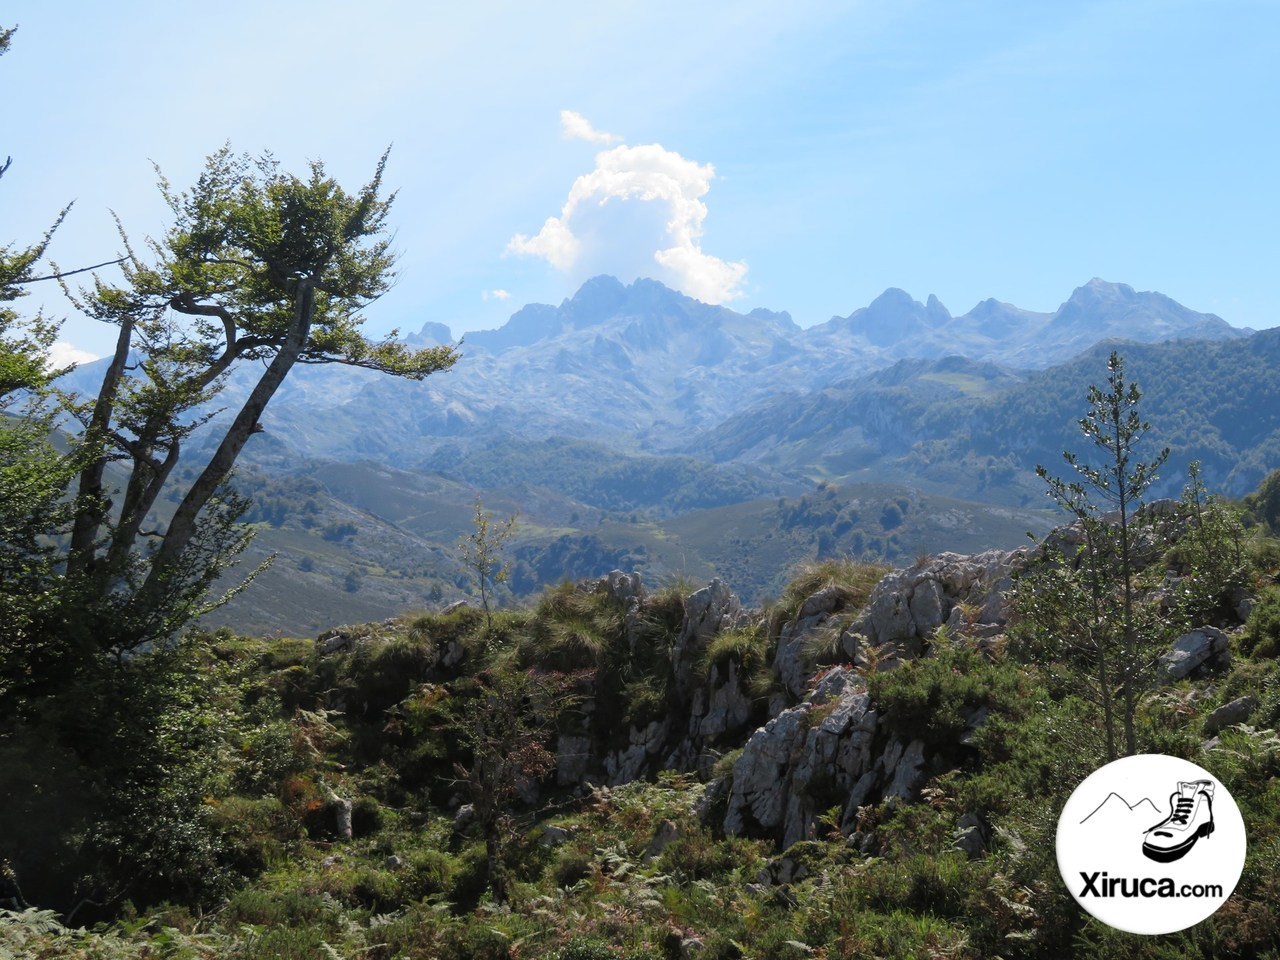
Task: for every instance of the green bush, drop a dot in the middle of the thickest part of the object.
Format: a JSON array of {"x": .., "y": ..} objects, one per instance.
[
  {"x": 932, "y": 698},
  {"x": 470, "y": 879},
  {"x": 258, "y": 831},
  {"x": 276, "y": 908},
  {"x": 285, "y": 943},
  {"x": 853, "y": 581},
  {"x": 748, "y": 645},
  {"x": 583, "y": 948},
  {"x": 427, "y": 872},
  {"x": 570, "y": 867},
  {"x": 572, "y": 629},
  {"x": 697, "y": 855},
  {"x": 1261, "y": 634}
]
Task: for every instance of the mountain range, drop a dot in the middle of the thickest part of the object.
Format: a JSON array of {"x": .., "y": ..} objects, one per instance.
[
  {"x": 642, "y": 367},
  {"x": 632, "y": 425}
]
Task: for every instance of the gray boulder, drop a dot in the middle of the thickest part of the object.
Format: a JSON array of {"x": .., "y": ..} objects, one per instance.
[
  {"x": 1192, "y": 650},
  {"x": 970, "y": 837},
  {"x": 826, "y": 741},
  {"x": 1229, "y": 714}
]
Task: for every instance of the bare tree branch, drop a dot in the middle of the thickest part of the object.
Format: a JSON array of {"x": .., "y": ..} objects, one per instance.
[{"x": 69, "y": 273}]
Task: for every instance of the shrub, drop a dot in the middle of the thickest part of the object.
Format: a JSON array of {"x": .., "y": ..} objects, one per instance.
[
  {"x": 258, "y": 831},
  {"x": 428, "y": 872},
  {"x": 573, "y": 629},
  {"x": 645, "y": 700},
  {"x": 932, "y": 698},
  {"x": 583, "y": 948},
  {"x": 379, "y": 674},
  {"x": 569, "y": 868},
  {"x": 366, "y": 816},
  {"x": 275, "y": 908},
  {"x": 854, "y": 582},
  {"x": 748, "y": 645},
  {"x": 470, "y": 879},
  {"x": 697, "y": 855},
  {"x": 1261, "y": 635}
]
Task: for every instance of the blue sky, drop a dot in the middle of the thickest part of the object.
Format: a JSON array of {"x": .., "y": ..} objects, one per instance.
[{"x": 800, "y": 156}]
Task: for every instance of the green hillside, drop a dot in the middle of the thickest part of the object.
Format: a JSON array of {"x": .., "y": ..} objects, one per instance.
[{"x": 363, "y": 541}]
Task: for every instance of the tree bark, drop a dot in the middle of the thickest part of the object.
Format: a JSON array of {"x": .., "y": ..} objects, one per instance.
[
  {"x": 145, "y": 483},
  {"x": 183, "y": 526},
  {"x": 89, "y": 505}
]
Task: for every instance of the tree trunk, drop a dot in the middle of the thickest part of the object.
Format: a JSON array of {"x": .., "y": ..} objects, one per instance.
[
  {"x": 342, "y": 808},
  {"x": 493, "y": 854},
  {"x": 145, "y": 483},
  {"x": 183, "y": 526},
  {"x": 90, "y": 510}
]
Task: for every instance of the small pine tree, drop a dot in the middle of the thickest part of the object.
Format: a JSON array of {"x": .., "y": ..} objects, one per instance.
[
  {"x": 1089, "y": 602},
  {"x": 481, "y": 553}
]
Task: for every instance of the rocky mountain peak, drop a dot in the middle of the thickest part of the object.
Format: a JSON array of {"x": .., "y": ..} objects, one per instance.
[
  {"x": 599, "y": 297},
  {"x": 1101, "y": 309},
  {"x": 431, "y": 335}
]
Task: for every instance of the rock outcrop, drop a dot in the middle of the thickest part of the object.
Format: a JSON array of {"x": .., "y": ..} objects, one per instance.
[
  {"x": 1192, "y": 650},
  {"x": 964, "y": 593}
]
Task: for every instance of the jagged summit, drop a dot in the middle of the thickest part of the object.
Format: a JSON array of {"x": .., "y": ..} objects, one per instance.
[
  {"x": 1102, "y": 310},
  {"x": 647, "y": 367}
]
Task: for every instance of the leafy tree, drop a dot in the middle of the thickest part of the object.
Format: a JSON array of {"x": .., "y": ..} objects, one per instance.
[
  {"x": 261, "y": 266},
  {"x": 33, "y": 473},
  {"x": 1086, "y": 597},
  {"x": 1211, "y": 549},
  {"x": 506, "y": 727},
  {"x": 259, "y": 269},
  {"x": 481, "y": 552},
  {"x": 1263, "y": 505}
]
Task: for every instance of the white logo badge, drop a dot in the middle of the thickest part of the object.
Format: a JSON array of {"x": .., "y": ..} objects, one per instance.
[{"x": 1151, "y": 844}]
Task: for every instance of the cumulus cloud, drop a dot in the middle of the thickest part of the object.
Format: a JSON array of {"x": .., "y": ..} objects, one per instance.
[
  {"x": 495, "y": 295},
  {"x": 62, "y": 354},
  {"x": 641, "y": 208},
  {"x": 574, "y": 126}
]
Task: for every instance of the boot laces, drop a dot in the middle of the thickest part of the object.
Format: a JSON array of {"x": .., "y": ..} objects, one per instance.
[{"x": 1183, "y": 810}]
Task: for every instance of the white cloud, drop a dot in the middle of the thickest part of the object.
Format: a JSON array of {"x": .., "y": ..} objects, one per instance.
[
  {"x": 62, "y": 354},
  {"x": 626, "y": 177},
  {"x": 495, "y": 295},
  {"x": 574, "y": 126}
]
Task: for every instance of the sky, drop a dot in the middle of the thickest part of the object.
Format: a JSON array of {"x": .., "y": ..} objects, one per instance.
[{"x": 801, "y": 156}]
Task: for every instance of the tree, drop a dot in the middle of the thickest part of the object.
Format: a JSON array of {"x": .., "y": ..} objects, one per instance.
[
  {"x": 1211, "y": 550},
  {"x": 482, "y": 553},
  {"x": 33, "y": 473},
  {"x": 1086, "y": 597},
  {"x": 259, "y": 266},
  {"x": 1263, "y": 505},
  {"x": 506, "y": 727}
]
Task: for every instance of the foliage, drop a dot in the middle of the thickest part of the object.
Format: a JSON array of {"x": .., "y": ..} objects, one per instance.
[
  {"x": 851, "y": 580},
  {"x": 1088, "y": 600},
  {"x": 258, "y": 265},
  {"x": 1262, "y": 506},
  {"x": 99, "y": 702},
  {"x": 505, "y": 727},
  {"x": 934, "y": 697},
  {"x": 1261, "y": 635},
  {"x": 414, "y": 885},
  {"x": 481, "y": 553}
]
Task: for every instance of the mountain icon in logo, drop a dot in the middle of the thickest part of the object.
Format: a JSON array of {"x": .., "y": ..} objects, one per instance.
[{"x": 1116, "y": 809}]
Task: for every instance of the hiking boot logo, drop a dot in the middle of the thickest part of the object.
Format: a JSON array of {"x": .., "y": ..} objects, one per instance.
[
  {"x": 1190, "y": 818},
  {"x": 1126, "y": 856}
]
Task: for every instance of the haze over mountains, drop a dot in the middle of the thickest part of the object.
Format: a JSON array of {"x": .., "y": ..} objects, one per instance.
[
  {"x": 634, "y": 426},
  {"x": 641, "y": 367}
]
